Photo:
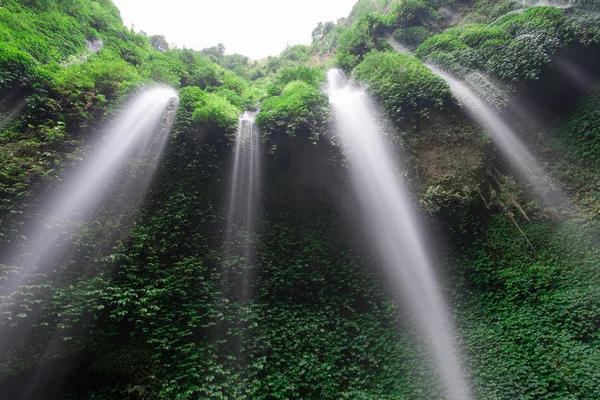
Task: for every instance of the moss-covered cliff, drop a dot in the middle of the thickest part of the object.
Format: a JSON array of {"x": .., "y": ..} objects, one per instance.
[{"x": 146, "y": 306}]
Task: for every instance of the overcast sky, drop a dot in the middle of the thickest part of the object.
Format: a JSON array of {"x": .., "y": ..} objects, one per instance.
[{"x": 256, "y": 28}]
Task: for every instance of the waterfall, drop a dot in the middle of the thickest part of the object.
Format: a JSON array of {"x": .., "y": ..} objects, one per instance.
[
  {"x": 507, "y": 141},
  {"x": 390, "y": 217},
  {"x": 503, "y": 136},
  {"x": 137, "y": 135},
  {"x": 243, "y": 201},
  {"x": 11, "y": 106}
]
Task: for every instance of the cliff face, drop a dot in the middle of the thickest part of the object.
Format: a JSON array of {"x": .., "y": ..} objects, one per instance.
[{"x": 146, "y": 305}]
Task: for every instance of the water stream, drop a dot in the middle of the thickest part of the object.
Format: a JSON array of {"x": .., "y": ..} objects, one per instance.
[
  {"x": 525, "y": 164},
  {"x": 243, "y": 200},
  {"x": 507, "y": 141},
  {"x": 391, "y": 218},
  {"x": 139, "y": 133}
]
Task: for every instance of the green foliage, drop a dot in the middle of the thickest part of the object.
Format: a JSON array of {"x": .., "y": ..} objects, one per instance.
[
  {"x": 159, "y": 42},
  {"x": 532, "y": 313},
  {"x": 513, "y": 48},
  {"x": 101, "y": 75},
  {"x": 200, "y": 71},
  {"x": 362, "y": 37},
  {"x": 412, "y": 13},
  {"x": 485, "y": 11},
  {"x": 17, "y": 67},
  {"x": 182, "y": 68},
  {"x": 582, "y": 129},
  {"x": 322, "y": 30},
  {"x": 153, "y": 307},
  {"x": 301, "y": 108},
  {"x": 448, "y": 157},
  {"x": 411, "y": 37},
  {"x": 405, "y": 87},
  {"x": 164, "y": 68},
  {"x": 365, "y": 7},
  {"x": 57, "y": 35},
  {"x": 214, "y": 113},
  {"x": 274, "y": 90},
  {"x": 296, "y": 53},
  {"x": 311, "y": 75},
  {"x": 574, "y": 153}
]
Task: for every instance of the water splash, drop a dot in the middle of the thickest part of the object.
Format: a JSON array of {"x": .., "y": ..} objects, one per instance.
[
  {"x": 390, "y": 216},
  {"x": 243, "y": 200},
  {"x": 140, "y": 133}
]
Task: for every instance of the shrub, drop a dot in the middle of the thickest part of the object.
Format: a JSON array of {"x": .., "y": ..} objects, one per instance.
[
  {"x": 311, "y": 75},
  {"x": 412, "y": 37},
  {"x": 410, "y": 13},
  {"x": 405, "y": 87},
  {"x": 301, "y": 108},
  {"x": 161, "y": 67},
  {"x": 214, "y": 114},
  {"x": 362, "y": 37},
  {"x": 16, "y": 67},
  {"x": 514, "y": 48}
]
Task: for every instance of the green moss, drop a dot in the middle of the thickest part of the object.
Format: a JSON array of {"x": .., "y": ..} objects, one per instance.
[
  {"x": 362, "y": 37},
  {"x": 532, "y": 313},
  {"x": 311, "y": 75},
  {"x": 513, "y": 48},
  {"x": 48, "y": 36},
  {"x": 477, "y": 34},
  {"x": 215, "y": 114},
  {"x": 412, "y": 37},
  {"x": 407, "y": 89},
  {"x": 551, "y": 20},
  {"x": 413, "y": 13},
  {"x": 301, "y": 108}
]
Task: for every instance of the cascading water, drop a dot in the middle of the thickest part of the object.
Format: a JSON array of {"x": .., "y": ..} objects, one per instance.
[
  {"x": 528, "y": 168},
  {"x": 139, "y": 134},
  {"x": 399, "y": 47},
  {"x": 10, "y": 107},
  {"x": 243, "y": 200},
  {"x": 390, "y": 217}
]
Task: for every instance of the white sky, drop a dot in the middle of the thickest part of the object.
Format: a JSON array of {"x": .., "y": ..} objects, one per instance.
[{"x": 255, "y": 28}]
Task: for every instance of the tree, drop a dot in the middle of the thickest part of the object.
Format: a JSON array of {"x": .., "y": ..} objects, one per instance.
[
  {"x": 321, "y": 30},
  {"x": 215, "y": 53},
  {"x": 159, "y": 42},
  {"x": 317, "y": 32}
]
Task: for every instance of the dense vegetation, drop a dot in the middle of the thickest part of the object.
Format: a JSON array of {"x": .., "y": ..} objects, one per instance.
[{"x": 146, "y": 305}]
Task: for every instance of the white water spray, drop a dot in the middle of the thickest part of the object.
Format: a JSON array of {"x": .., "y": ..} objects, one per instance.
[
  {"x": 506, "y": 139},
  {"x": 396, "y": 45},
  {"x": 10, "y": 109},
  {"x": 243, "y": 200},
  {"x": 390, "y": 216},
  {"x": 502, "y": 135},
  {"x": 141, "y": 132}
]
